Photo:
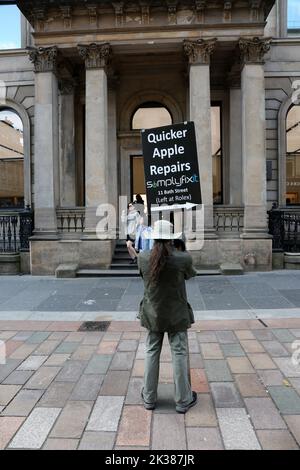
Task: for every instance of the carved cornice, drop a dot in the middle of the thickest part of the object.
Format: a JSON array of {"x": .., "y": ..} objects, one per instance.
[
  {"x": 66, "y": 12},
  {"x": 252, "y": 51},
  {"x": 93, "y": 14},
  {"x": 172, "y": 11},
  {"x": 119, "y": 13},
  {"x": 95, "y": 55},
  {"x": 200, "y": 6},
  {"x": 227, "y": 10},
  {"x": 145, "y": 11},
  {"x": 199, "y": 51},
  {"x": 44, "y": 58}
]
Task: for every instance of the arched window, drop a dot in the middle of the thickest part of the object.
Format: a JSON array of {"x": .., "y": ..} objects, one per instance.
[
  {"x": 293, "y": 156},
  {"x": 151, "y": 114},
  {"x": 11, "y": 160}
]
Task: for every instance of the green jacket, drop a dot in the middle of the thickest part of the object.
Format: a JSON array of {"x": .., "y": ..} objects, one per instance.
[{"x": 164, "y": 306}]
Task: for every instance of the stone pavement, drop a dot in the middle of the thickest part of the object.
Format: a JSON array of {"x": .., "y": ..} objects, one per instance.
[
  {"x": 254, "y": 295},
  {"x": 65, "y": 389}
]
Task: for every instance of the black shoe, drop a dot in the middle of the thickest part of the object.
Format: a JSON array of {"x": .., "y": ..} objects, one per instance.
[
  {"x": 193, "y": 402},
  {"x": 147, "y": 406},
  {"x": 135, "y": 260},
  {"x": 132, "y": 261}
]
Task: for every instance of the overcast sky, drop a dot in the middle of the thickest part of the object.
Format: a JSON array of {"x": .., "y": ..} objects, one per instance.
[{"x": 10, "y": 30}]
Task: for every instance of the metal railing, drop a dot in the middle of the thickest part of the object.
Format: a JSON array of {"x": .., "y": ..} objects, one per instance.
[
  {"x": 15, "y": 229},
  {"x": 284, "y": 226},
  {"x": 228, "y": 219},
  {"x": 70, "y": 220}
]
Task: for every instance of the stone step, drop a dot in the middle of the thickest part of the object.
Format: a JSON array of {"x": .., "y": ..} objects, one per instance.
[
  {"x": 231, "y": 268},
  {"x": 108, "y": 273},
  {"x": 132, "y": 272},
  {"x": 123, "y": 266}
]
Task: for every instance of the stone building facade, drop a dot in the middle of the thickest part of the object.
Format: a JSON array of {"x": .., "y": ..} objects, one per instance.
[{"x": 86, "y": 67}]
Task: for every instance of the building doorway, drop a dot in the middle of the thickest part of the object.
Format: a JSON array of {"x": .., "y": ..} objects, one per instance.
[{"x": 137, "y": 178}]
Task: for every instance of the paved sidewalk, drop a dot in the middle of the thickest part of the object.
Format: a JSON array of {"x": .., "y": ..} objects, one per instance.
[
  {"x": 64, "y": 389},
  {"x": 253, "y": 295}
]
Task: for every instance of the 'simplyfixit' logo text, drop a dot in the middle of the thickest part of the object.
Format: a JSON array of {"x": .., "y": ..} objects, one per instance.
[{"x": 173, "y": 181}]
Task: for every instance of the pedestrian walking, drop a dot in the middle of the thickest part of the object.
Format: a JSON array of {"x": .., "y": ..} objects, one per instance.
[
  {"x": 165, "y": 309},
  {"x": 131, "y": 219}
]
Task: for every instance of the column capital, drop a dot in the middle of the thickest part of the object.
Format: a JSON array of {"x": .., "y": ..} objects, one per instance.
[
  {"x": 44, "y": 58},
  {"x": 96, "y": 56},
  {"x": 199, "y": 51},
  {"x": 252, "y": 50}
]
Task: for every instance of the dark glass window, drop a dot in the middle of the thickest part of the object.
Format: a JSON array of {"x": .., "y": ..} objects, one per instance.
[
  {"x": 293, "y": 156},
  {"x": 11, "y": 160}
]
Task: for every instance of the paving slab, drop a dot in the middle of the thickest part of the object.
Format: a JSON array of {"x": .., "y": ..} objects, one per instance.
[
  {"x": 92, "y": 440},
  {"x": 139, "y": 419},
  {"x": 71, "y": 371},
  {"x": 61, "y": 444},
  {"x": 287, "y": 367},
  {"x": 226, "y": 395},
  {"x": 7, "y": 393},
  {"x": 264, "y": 413},
  {"x": 261, "y": 361},
  {"x": 240, "y": 365},
  {"x": 106, "y": 414},
  {"x": 293, "y": 422},
  {"x": 72, "y": 420},
  {"x": 277, "y": 440},
  {"x": 122, "y": 361},
  {"x": 35, "y": 429},
  {"x": 23, "y": 403},
  {"x": 57, "y": 394},
  {"x": 87, "y": 388},
  {"x": 18, "y": 377},
  {"x": 236, "y": 429},
  {"x": 133, "y": 396},
  {"x": 202, "y": 414},
  {"x": 204, "y": 439},
  {"x": 115, "y": 383},
  {"x": 32, "y": 363},
  {"x": 98, "y": 364},
  {"x": 42, "y": 378},
  {"x": 175, "y": 438},
  {"x": 217, "y": 371},
  {"x": 8, "y": 427},
  {"x": 286, "y": 399},
  {"x": 250, "y": 386}
]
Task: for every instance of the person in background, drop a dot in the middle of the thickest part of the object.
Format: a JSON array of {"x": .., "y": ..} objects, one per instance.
[
  {"x": 132, "y": 220},
  {"x": 179, "y": 244},
  {"x": 165, "y": 308}
]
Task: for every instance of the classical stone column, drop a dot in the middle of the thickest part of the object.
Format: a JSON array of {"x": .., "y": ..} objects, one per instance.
[
  {"x": 96, "y": 135},
  {"x": 46, "y": 168},
  {"x": 67, "y": 144},
  {"x": 199, "y": 53},
  {"x": 112, "y": 135},
  {"x": 235, "y": 138},
  {"x": 253, "y": 137}
]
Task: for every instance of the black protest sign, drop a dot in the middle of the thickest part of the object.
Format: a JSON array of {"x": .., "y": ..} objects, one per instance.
[{"x": 171, "y": 165}]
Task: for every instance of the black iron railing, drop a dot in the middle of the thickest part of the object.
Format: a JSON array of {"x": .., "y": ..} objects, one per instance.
[
  {"x": 284, "y": 225},
  {"x": 15, "y": 229}
]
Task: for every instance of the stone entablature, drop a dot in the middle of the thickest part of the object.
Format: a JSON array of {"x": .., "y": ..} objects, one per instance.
[{"x": 106, "y": 14}]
